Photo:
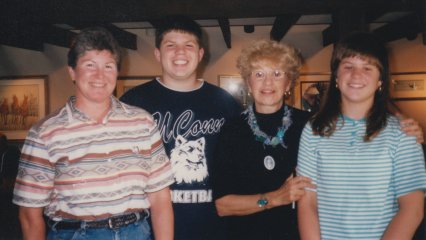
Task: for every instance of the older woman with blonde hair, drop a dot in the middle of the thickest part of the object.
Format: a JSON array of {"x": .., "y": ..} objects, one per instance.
[{"x": 253, "y": 183}]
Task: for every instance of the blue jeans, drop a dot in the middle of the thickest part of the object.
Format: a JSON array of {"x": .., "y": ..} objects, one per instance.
[{"x": 137, "y": 230}]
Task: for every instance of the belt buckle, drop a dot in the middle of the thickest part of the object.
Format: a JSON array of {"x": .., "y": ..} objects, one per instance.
[
  {"x": 115, "y": 222},
  {"x": 110, "y": 224},
  {"x": 120, "y": 221}
]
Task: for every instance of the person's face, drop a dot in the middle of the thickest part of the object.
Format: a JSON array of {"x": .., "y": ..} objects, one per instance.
[
  {"x": 179, "y": 55},
  {"x": 268, "y": 92},
  {"x": 358, "y": 79},
  {"x": 95, "y": 76}
]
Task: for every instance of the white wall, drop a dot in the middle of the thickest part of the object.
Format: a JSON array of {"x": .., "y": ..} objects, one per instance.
[{"x": 406, "y": 56}]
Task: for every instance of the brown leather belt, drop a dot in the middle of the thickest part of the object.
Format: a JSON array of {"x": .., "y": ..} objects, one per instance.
[{"x": 112, "y": 223}]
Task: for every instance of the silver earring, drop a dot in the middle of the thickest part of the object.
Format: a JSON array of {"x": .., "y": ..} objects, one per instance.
[{"x": 287, "y": 94}]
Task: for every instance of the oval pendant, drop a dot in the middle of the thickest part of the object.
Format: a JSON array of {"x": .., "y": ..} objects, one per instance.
[{"x": 269, "y": 162}]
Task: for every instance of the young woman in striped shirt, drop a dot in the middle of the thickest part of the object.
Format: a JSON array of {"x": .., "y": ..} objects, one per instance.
[{"x": 370, "y": 176}]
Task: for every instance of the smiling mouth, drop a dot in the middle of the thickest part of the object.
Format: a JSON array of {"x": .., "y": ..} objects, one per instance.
[
  {"x": 356, "y": 85},
  {"x": 180, "y": 62},
  {"x": 97, "y": 85}
]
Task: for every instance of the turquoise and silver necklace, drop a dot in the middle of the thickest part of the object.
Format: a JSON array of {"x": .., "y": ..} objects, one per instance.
[{"x": 263, "y": 137}]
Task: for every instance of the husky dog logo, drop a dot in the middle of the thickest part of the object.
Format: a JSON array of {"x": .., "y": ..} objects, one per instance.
[{"x": 188, "y": 160}]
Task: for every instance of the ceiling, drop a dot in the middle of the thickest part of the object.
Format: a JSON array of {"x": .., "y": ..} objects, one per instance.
[{"x": 29, "y": 24}]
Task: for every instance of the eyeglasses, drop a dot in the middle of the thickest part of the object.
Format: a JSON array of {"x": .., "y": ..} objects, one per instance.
[{"x": 260, "y": 75}]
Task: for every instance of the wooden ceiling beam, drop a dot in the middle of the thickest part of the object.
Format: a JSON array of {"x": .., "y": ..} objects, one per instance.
[
  {"x": 125, "y": 39},
  {"x": 406, "y": 27},
  {"x": 22, "y": 35},
  {"x": 424, "y": 22},
  {"x": 155, "y": 22},
  {"x": 344, "y": 21},
  {"x": 24, "y": 23},
  {"x": 282, "y": 24},
  {"x": 58, "y": 36},
  {"x": 142, "y": 10},
  {"x": 422, "y": 16},
  {"x": 226, "y": 31},
  {"x": 329, "y": 35}
]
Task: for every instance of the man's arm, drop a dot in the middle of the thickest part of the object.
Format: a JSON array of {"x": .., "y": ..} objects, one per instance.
[
  {"x": 308, "y": 220},
  {"x": 408, "y": 218},
  {"x": 162, "y": 214},
  {"x": 32, "y": 223},
  {"x": 412, "y": 128}
]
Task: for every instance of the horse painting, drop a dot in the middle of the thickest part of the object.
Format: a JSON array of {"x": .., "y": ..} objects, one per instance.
[
  {"x": 23, "y": 111},
  {"x": 4, "y": 111}
]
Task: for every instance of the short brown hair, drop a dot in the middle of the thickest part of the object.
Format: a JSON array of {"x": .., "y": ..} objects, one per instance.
[{"x": 93, "y": 38}]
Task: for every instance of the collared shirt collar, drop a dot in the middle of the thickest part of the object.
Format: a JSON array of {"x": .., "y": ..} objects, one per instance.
[{"x": 74, "y": 113}]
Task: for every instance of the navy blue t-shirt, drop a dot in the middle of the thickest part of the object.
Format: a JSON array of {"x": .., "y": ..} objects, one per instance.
[{"x": 189, "y": 123}]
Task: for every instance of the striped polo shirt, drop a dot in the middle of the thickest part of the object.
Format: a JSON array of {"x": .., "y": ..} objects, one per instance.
[
  {"x": 80, "y": 169},
  {"x": 358, "y": 182}
]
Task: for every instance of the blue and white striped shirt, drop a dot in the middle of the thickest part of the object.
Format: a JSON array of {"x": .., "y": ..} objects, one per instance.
[{"x": 358, "y": 182}]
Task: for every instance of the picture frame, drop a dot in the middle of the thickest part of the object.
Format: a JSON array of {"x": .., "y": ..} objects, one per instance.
[
  {"x": 23, "y": 102},
  {"x": 235, "y": 85},
  {"x": 124, "y": 83},
  {"x": 408, "y": 85},
  {"x": 311, "y": 90}
]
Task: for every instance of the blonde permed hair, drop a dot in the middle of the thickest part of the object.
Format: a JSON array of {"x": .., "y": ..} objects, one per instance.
[{"x": 288, "y": 58}]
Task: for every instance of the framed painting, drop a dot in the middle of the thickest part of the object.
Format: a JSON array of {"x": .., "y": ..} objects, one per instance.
[
  {"x": 408, "y": 85},
  {"x": 235, "y": 85},
  {"x": 23, "y": 102},
  {"x": 127, "y": 82},
  {"x": 312, "y": 89}
]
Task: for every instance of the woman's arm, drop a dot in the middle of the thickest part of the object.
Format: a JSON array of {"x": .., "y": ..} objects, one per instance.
[
  {"x": 162, "y": 214},
  {"x": 240, "y": 205},
  {"x": 32, "y": 223},
  {"x": 408, "y": 218},
  {"x": 308, "y": 220}
]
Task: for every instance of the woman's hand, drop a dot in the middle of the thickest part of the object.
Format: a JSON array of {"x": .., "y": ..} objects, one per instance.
[
  {"x": 411, "y": 127},
  {"x": 290, "y": 191}
]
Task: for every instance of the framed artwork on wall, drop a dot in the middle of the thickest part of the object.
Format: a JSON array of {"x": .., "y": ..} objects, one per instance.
[
  {"x": 235, "y": 85},
  {"x": 311, "y": 90},
  {"x": 125, "y": 83},
  {"x": 23, "y": 102},
  {"x": 408, "y": 85}
]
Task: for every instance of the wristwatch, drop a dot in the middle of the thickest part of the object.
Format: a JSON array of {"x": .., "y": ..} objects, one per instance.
[{"x": 262, "y": 202}]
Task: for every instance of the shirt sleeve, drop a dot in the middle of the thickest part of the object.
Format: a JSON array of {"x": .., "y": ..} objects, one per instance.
[
  {"x": 35, "y": 179},
  {"x": 409, "y": 166},
  {"x": 222, "y": 171},
  {"x": 161, "y": 174},
  {"x": 307, "y": 159}
]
